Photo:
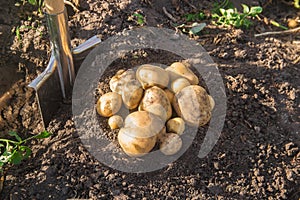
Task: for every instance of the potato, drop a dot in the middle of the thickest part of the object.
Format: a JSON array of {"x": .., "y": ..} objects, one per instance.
[
  {"x": 150, "y": 75},
  {"x": 135, "y": 146},
  {"x": 179, "y": 70},
  {"x": 179, "y": 84},
  {"x": 176, "y": 125},
  {"x": 132, "y": 94},
  {"x": 170, "y": 144},
  {"x": 140, "y": 132},
  {"x": 151, "y": 123},
  {"x": 118, "y": 81},
  {"x": 169, "y": 94},
  {"x": 109, "y": 104},
  {"x": 193, "y": 104},
  {"x": 115, "y": 121},
  {"x": 156, "y": 101},
  {"x": 212, "y": 102}
]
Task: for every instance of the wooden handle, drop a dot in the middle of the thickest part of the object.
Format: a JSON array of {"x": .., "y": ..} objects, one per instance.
[{"x": 54, "y": 6}]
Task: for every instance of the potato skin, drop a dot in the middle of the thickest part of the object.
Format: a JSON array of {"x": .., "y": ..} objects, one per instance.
[
  {"x": 135, "y": 146},
  {"x": 170, "y": 144},
  {"x": 180, "y": 70},
  {"x": 109, "y": 104},
  {"x": 132, "y": 94},
  {"x": 151, "y": 75},
  {"x": 156, "y": 101},
  {"x": 192, "y": 103},
  {"x": 176, "y": 125},
  {"x": 115, "y": 121},
  {"x": 140, "y": 132}
]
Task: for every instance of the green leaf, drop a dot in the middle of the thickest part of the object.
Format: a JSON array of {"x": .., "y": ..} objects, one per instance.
[
  {"x": 245, "y": 8},
  {"x": 2, "y": 145},
  {"x": 255, "y": 10},
  {"x": 196, "y": 28},
  {"x": 16, "y": 158},
  {"x": 32, "y": 2},
  {"x": 222, "y": 11},
  {"x": 14, "y": 134},
  {"x": 25, "y": 150},
  {"x": 42, "y": 135}
]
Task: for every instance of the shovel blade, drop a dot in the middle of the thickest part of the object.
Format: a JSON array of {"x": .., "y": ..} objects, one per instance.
[{"x": 48, "y": 92}]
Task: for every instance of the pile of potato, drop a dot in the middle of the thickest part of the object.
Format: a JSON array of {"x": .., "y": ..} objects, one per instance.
[{"x": 150, "y": 93}]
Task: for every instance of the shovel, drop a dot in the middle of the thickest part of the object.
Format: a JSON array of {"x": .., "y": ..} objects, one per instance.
[{"x": 54, "y": 85}]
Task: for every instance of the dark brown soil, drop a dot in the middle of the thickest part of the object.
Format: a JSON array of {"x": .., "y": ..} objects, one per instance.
[{"x": 256, "y": 157}]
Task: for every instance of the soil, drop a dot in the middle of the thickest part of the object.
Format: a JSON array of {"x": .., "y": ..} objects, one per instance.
[{"x": 256, "y": 157}]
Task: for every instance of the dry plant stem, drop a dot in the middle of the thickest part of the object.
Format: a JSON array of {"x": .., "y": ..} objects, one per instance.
[
  {"x": 72, "y": 5},
  {"x": 191, "y": 5},
  {"x": 278, "y": 32},
  {"x": 169, "y": 15}
]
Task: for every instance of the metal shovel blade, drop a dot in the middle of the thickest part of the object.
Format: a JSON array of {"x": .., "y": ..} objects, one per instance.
[{"x": 48, "y": 91}]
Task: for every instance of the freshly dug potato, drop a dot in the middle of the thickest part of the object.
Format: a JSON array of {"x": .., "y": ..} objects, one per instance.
[
  {"x": 178, "y": 70},
  {"x": 193, "y": 104},
  {"x": 170, "y": 144},
  {"x": 156, "y": 101},
  {"x": 176, "y": 125},
  {"x": 150, "y": 75},
  {"x": 132, "y": 93},
  {"x": 140, "y": 133},
  {"x": 179, "y": 84},
  {"x": 109, "y": 104},
  {"x": 118, "y": 81},
  {"x": 212, "y": 102},
  {"x": 135, "y": 146},
  {"x": 115, "y": 121},
  {"x": 169, "y": 94}
]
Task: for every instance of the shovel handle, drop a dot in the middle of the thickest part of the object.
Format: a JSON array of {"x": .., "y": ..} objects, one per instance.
[{"x": 54, "y": 6}]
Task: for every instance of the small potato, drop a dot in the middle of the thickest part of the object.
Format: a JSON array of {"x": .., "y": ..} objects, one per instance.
[
  {"x": 132, "y": 94},
  {"x": 170, "y": 144},
  {"x": 115, "y": 121},
  {"x": 118, "y": 81},
  {"x": 156, "y": 101},
  {"x": 150, "y": 75},
  {"x": 178, "y": 70},
  {"x": 169, "y": 94},
  {"x": 176, "y": 125},
  {"x": 212, "y": 102},
  {"x": 109, "y": 104},
  {"x": 179, "y": 84}
]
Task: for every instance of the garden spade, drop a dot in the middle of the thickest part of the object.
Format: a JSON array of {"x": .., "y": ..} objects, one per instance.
[{"x": 54, "y": 85}]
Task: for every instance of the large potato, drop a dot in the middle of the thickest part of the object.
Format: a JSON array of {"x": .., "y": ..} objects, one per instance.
[
  {"x": 193, "y": 104},
  {"x": 156, "y": 101},
  {"x": 179, "y": 70},
  {"x": 150, "y": 75},
  {"x": 140, "y": 133},
  {"x": 109, "y": 104}
]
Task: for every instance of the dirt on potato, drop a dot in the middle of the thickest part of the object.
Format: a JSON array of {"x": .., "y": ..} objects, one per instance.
[{"x": 256, "y": 157}]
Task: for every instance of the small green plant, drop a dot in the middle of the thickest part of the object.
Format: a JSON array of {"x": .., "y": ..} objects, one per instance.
[
  {"x": 296, "y": 4},
  {"x": 37, "y": 3},
  {"x": 14, "y": 151},
  {"x": 191, "y": 17},
  {"x": 231, "y": 17},
  {"x": 139, "y": 18}
]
